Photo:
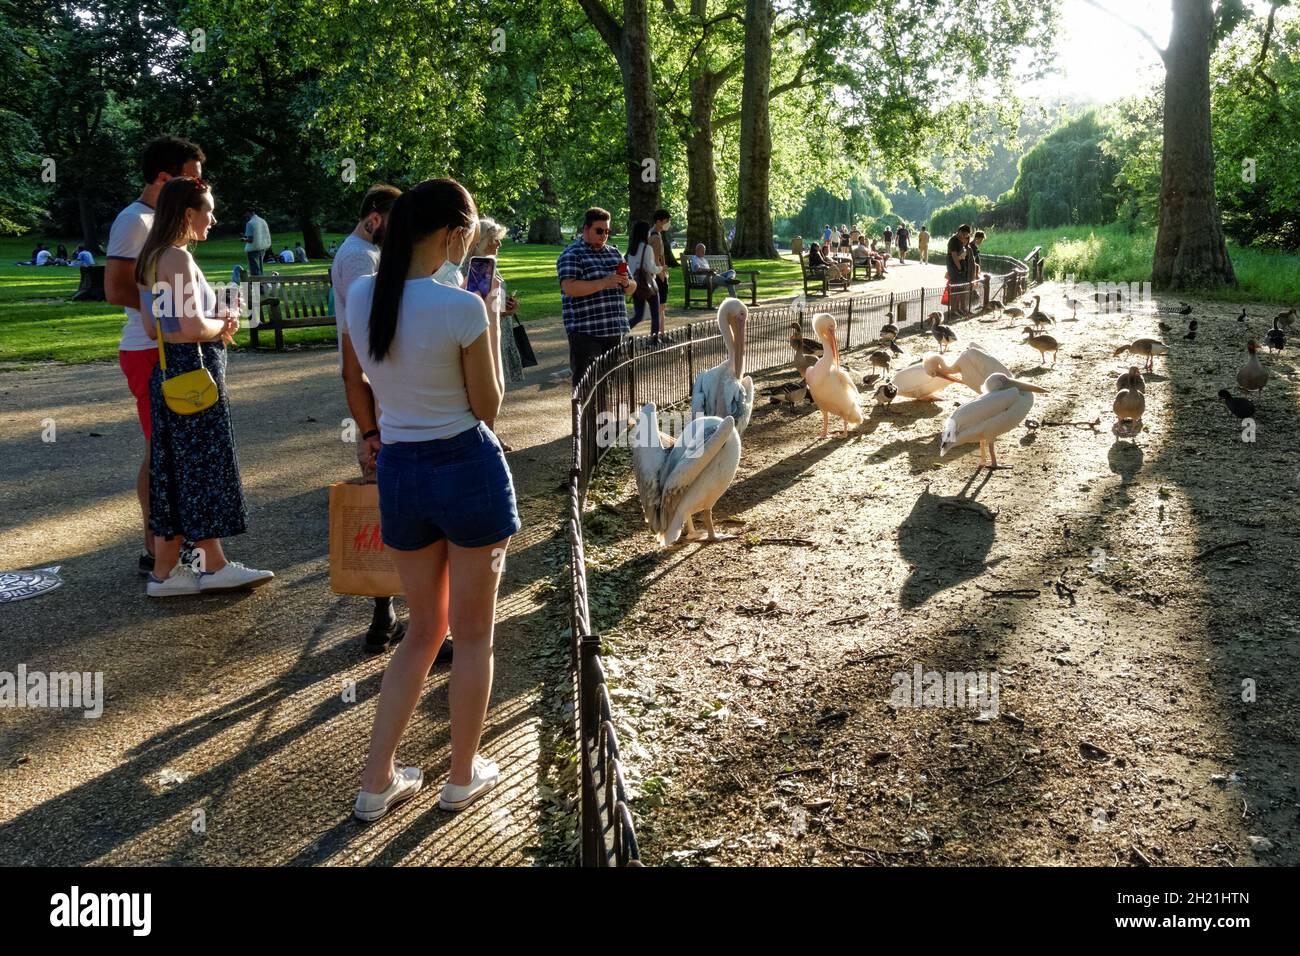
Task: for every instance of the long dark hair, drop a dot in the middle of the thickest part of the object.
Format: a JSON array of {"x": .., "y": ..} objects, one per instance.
[
  {"x": 417, "y": 213},
  {"x": 177, "y": 195},
  {"x": 640, "y": 234}
]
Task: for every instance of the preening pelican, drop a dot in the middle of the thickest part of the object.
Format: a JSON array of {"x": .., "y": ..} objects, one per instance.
[
  {"x": 974, "y": 365},
  {"x": 832, "y": 388},
  {"x": 1005, "y": 403},
  {"x": 678, "y": 479},
  {"x": 924, "y": 380},
  {"x": 725, "y": 389}
]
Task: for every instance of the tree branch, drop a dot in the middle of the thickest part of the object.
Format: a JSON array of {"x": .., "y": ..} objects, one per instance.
[
  {"x": 1131, "y": 25},
  {"x": 610, "y": 30}
]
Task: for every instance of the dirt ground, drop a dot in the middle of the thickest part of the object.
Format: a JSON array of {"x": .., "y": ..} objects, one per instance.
[{"x": 1135, "y": 601}]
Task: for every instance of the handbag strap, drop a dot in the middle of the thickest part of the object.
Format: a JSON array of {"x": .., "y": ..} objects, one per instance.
[{"x": 162, "y": 353}]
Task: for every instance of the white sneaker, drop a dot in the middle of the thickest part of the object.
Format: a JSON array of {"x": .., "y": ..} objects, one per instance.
[
  {"x": 181, "y": 581},
  {"x": 405, "y": 784},
  {"x": 232, "y": 577},
  {"x": 485, "y": 778}
]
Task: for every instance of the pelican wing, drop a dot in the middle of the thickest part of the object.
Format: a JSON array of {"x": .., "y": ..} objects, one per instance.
[
  {"x": 741, "y": 406},
  {"x": 915, "y": 382},
  {"x": 701, "y": 441},
  {"x": 975, "y": 365},
  {"x": 985, "y": 417},
  {"x": 648, "y": 459}
]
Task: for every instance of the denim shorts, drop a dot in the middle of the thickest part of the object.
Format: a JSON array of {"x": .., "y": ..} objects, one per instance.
[{"x": 457, "y": 488}]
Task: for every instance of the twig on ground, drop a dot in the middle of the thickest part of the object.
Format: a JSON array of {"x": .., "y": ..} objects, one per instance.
[
  {"x": 1220, "y": 547},
  {"x": 1006, "y": 776},
  {"x": 1045, "y": 424},
  {"x": 873, "y": 851},
  {"x": 868, "y": 660},
  {"x": 1009, "y": 592},
  {"x": 851, "y": 619},
  {"x": 796, "y": 771},
  {"x": 789, "y": 542}
]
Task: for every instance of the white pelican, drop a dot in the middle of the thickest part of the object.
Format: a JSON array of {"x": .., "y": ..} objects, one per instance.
[
  {"x": 1005, "y": 403},
  {"x": 679, "y": 478},
  {"x": 832, "y": 388},
  {"x": 974, "y": 365},
  {"x": 924, "y": 380},
  {"x": 725, "y": 389}
]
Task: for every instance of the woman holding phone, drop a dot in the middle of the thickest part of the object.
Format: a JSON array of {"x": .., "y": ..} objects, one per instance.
[
  {"x": 446, "y": 498},
  {"x": 490, "y": 234}
]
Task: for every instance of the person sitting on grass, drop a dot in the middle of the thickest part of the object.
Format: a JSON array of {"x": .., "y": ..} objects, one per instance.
[
  {"x": 700, "y": 267},
  {"x": 300, "y": 254},
  {"x": 83, "y": 257}
]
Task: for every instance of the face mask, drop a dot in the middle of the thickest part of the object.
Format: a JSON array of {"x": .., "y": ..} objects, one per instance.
[{"x": 449, "y": 272}]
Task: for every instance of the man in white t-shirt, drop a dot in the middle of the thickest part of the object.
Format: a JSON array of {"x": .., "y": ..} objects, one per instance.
[
  {"x": 43, "y": 257},
  {"x": 138, "y": 350},
  {"x": 357, "y": 257},
  {"x": 257, "y": 240},
  {"x": 84, "y": 257}
]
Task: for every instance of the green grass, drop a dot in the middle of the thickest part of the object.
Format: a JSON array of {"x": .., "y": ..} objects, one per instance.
[
  {"x": 1114, "y": 254},
  {"x": 39, "y": 324}
]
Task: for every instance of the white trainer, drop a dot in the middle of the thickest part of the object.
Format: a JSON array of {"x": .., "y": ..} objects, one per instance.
[
  {"x": 233, "y": 577},
  {"x": 486, "y": 776},
  {"x": 180, "y": 582},
  {"x": 405, "y": 784}
]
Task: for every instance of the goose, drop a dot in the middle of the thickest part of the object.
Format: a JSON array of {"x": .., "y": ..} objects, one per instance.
[
  {"x": 888, "y": 333},
  {"x": 808, "y": 345},
  {"x": 1043, "y": 343},
  {"x": 1242, "y": 317},
  {"x": 880, "y": 359},
  {"x": 1287, "y": 318},
  {"x": 831, "y": 387},
  {"x": 677, "y": 479},
  {"x": 1131, "y": 380},
  {"x": 1148, "y": 347},
  {"x": 1013, "y": 313},
  {"x": 725, "y": 389},
  {"x": 1074, "y": 306},
  {"x": 791, "y": 393},
  {"x": 944, "y": 335},
  {"x": 932, "y": 320},
  {"x": 802, "y": 360},
  {"x": 885, "y": 394},
  {"x": 1038, "y": 316},
  {"x": 993, "y": 305},
  {"x": 1275, "y": 338},
  {"x": 924, "y": 380},
  {"x": 872, "y": 379},
  {"x": 974, "y": 365},
  {"x": 1129, "y": 406},
  {"x": 1239, "y": 407},
  {"x": 1003, "y": 405},
  {"x": 1252, "y": 376}
]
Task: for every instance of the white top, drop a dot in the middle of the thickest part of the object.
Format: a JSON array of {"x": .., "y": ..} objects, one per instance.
[
  {"x": 258, "y": 233},
  {"x": 85, "y": 258},
  {"x": 643, "y": 258},
  {"x": 354, "y": 259},
  {"x": 43, "y": 257},
  {"x": 420, "y": 385},
  {"x": 125, "y": 240},
  {"x": 286, "y": 256}
]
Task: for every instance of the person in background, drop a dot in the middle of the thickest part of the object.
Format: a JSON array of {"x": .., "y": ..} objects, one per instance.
[
  {"x": 923, "y": 245},
  {"x": 643, "y": 266},
  {"x": 662, "y": 245},
  {"x": 195, "y": 492},
  {"x": 83, "y": 257},
  {"x": 976, "y": 269},
  {"x": 137, "y": 352},
  {"x": 958, "y": 262},
  {"x": 826, "y": 236},
  {"x": 257, "y": 242},
  {"x": 845, "y": 243},
  {"x": 62, "y": 254},
  {"x": 44, "y": 257},
  {"x": 593, "y": 293},
  {"x": 821, "y": 263},
  {"x": 699, "y": 264},
  {"x": 36, "y": 252},
  {"x": 299, "y": 253},
  {"x": 490, "y": 234},
  {"x": 901, "y": 236},
  {"x": 286, "y": 256},
  {"x": 333, "y": 248},
  {"x": 358, "y": 257},
  {"x": 446, "y": 497},
  {"x": 889, "y": 241}
]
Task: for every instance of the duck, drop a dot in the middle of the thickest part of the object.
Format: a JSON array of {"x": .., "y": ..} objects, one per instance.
[
  {"x": 791, "y": 393},
  {"x": 1038, "y": 316},
  {"x": 1239, "y": 407},
  {"x": 1191, "y": 331},
  {"x": 1252, "y": 377},
  {"x": 871, "y": 379},
  {"x": 880, "y": 359},
  {"x": 924, "y": 380},
  {"x": 993, "y": 305},
  {"x": 1286, "y": 319},
  {"x": 802, "y": 360},
  {"x": 1275, "y": 338},
  {"x": 1129, "y": 406},
  {"x": 725, "y": 389},
  {"x": 808, "y": 345},
  {"x": 831, "y": 387},
  {"x": 1185, "y": 310},
  {"x": 974, "y": 365},
  {"x": 1074, "y": 306},
  {"x": 1013, "y": 313},
  {"x": 1131, "y": 380},
  {"x": 1043, "y": 343},
  {"x": 885, "y": 394},
  {"x": 888, "y": 333},
  {"x": 1242, "y": 317},
  {"x": 1148, "y": 347},
  {"x": 677, "y": 479},
  {"x": 1164, "y": 327},
  {"x": 944, "y": 335},
  {"x": 932, "y": 320},
  {"x": 1004, "y": 404}
]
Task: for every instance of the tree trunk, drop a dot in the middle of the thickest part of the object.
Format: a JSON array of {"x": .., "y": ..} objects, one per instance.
[
  {"x": 753, "y": 210},
  {"x": 89, "y": 231},
  {"x": 642, "y": 113},
  {"x": 1190, "y": 250},
  {"x": 311, "y": 240},
  {"x": 703, "y": 211},
  {"x": 544, "y": 227}
]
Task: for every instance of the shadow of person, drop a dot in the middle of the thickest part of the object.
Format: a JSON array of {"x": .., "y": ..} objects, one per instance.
[{"x": 945, "y": 540}]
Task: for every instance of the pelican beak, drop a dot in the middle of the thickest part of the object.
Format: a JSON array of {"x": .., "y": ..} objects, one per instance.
[
  {"x": 1026, "y": 386},
  {"x": 835, "y": 348},
  {"x": 949, "y": 378},
  {"x": 738, "y": 359}
]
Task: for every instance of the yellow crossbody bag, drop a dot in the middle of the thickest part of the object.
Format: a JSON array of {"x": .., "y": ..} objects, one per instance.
[{"x": 190, "y": 392}]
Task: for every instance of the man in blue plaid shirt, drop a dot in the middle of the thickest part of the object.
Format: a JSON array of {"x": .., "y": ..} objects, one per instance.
[{"x": 593, "y": 293}]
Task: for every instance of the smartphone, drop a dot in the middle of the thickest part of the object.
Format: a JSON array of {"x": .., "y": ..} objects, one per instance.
[{"x": 481, "y": 271}]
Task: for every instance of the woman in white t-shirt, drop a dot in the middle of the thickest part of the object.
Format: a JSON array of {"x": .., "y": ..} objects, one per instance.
[
  {"x": 446, "y": 498},
  {"x": 641, "y": 256}
]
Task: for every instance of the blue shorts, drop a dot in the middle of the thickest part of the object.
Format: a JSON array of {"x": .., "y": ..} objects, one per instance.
[{"x": 457, "y": 488}]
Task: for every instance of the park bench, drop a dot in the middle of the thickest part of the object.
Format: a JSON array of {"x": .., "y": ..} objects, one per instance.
[
  {"x": 291, "y": 302},
  {"x": 695, "y": 283},
  {"x": 819, "y": 283}
]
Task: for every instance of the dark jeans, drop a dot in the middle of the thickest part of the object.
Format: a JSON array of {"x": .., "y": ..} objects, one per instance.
[
  {"x": 255, "y": 263},
  {"x": 585, "y": 349}
]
